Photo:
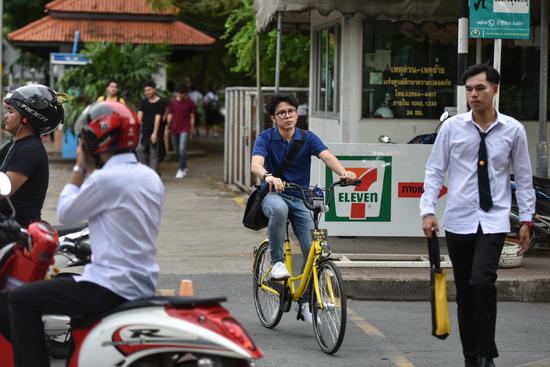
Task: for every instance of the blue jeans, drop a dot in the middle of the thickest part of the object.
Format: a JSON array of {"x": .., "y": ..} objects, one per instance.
[
  {"x": 279, "y": 207},
  {"x": 179, "y": 141}
]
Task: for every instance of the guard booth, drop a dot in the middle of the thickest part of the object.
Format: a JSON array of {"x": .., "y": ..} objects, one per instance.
[{"x": 390, "y": 68}]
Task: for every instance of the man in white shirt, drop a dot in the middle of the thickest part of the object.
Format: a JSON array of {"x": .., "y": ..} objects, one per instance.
[
  {"x": 124, "y": 220},
  {"x": 476, "y": 150}
]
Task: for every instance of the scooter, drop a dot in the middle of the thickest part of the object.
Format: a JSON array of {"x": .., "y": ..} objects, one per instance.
[
  {"x": 422, "y": 138},
  {"x": 150, "y": 332}
]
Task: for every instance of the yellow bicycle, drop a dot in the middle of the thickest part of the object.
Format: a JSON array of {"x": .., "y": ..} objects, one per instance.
[{"x": 327, "y": 295}]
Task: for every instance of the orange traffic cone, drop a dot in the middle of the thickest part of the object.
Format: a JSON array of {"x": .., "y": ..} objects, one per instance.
[{"x": 186, "y": 287}]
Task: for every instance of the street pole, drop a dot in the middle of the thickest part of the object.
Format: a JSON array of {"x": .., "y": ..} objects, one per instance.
[
  {"x": 259, "y": 97},
  {"x": 278, "y": 54},
  {"x": 461, "y": 105},
  {"x": 542, "y": 146}
]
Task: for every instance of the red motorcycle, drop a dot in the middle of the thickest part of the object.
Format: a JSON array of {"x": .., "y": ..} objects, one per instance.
[{"x": 151, "y": 332}]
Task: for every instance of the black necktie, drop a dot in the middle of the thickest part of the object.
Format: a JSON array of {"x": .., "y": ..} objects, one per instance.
[{"x": 484, "y": 188}]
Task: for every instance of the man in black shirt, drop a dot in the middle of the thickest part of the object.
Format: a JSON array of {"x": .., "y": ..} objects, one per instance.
[
  {"x": 30, "y": 111},
  {"x": 150, "y": 114}
]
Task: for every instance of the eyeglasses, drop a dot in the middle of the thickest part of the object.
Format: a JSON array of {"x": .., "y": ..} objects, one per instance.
[{"x": 291, "y": 112}]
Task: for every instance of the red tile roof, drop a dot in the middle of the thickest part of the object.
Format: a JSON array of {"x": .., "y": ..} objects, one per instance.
[
  {"x": 53, "y": 30},
  {"x": 107, "y": 6}
]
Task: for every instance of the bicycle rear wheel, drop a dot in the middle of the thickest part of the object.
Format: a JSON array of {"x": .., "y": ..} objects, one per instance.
[
  {"x": 329, "y": 317},
  {"x": 267, "y": 304}
]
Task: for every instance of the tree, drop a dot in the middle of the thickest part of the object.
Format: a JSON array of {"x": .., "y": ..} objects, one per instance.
[
  {"x": 233, "y": 22},
  {"x": 129, "y": 65},
  {"x": 241, "y": 33}
]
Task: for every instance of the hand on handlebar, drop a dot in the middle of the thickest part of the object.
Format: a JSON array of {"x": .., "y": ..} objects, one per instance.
[
  {"x": 275, "y": 184},
  {"x": 348, "y": 178}
]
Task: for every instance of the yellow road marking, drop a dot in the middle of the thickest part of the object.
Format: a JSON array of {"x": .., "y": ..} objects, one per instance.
[
  {"x": 240, "y": 200},
  {"x": 365, "y": 326},
  {"x": 369, "y": 329}
]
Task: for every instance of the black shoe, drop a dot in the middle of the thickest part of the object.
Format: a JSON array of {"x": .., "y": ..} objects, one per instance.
[{"x": 485, "y": 362}]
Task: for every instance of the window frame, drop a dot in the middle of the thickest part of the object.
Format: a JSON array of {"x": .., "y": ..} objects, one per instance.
[{"x": 320, "y": 55}]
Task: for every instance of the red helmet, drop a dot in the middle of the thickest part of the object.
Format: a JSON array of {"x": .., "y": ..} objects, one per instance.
[{"x": 107, "y": 127}]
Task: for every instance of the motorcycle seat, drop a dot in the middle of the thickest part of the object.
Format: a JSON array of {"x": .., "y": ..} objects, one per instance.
[
  {"x": 64, "y": 230},
  {"x": 157, "y": 301}
]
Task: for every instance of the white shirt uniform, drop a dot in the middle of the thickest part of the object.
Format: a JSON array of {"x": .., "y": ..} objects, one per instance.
[
  {"x": 455, "y": 153},
  {"x": 122, "y": 202}
]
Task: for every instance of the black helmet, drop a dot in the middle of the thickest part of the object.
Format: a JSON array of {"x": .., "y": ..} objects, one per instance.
[{"x": 40, "y": 105}]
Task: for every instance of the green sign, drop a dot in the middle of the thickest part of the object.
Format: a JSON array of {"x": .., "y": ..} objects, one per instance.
[{"x": 500, "y": 19}]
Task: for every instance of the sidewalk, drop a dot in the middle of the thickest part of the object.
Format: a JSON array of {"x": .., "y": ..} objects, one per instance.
[{"x": 202, "y": 232}]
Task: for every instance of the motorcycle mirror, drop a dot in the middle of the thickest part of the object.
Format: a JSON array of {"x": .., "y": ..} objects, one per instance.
[
  {"x": 444, "y": 116},
  {"x": 5, "y": 184},
  {"x": 384, "y": 139}
]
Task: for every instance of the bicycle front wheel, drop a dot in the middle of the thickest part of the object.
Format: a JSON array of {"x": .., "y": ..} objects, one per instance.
[
  {"x": 266, "y": 301},
  {"x": 329, "y": 316}
]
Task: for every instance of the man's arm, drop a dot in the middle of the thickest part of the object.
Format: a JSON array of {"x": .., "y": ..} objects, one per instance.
[
  {"x": 257, "y": 168},
  {"x": 17, "y": 180},
  {"x": 156, "y": 128},
  {"x": 525, "y": 194},
  {"x": 436, "y": 169},
  {"x": 140, "y": 116},
  {"x": 78, "y": 200},
  {"x": 335, "y": 165},
  {"x": 192, "y": 125}
]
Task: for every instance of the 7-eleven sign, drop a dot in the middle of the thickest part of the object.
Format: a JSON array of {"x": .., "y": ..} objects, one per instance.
[{"x": 371, "y": 200}]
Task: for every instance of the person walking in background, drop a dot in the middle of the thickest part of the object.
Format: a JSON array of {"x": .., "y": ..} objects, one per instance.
[
  {"x": 196, "y": 97},
  {"x": 181, "y": 124},
  {"x": 476, "y": 151},
  {"x": 150, "y": 113},
  {"x": 111, "y": 93},
  {"x": 211, "y": 102}
]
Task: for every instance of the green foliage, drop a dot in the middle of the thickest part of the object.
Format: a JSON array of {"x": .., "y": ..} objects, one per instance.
[
  {"x": 241, "y": 33},
  {"x": 19, "y": 13},
  {"x": 129, "y": 65}
]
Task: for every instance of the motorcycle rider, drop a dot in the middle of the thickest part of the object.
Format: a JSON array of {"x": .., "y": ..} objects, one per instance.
[
  {"x": 123, "y": 218},
  {"x": 30, "y": 111}
]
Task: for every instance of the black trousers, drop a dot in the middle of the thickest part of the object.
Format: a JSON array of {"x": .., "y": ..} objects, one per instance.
[
  {"x": 21, "y": 313},
  {"x": 475, "y": 262}
]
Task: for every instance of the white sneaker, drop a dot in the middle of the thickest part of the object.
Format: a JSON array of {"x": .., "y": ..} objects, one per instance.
[
  {"x": 181, "y": 173},
  {"x": 306, "y": 313},
  {"x": 279, "y": 271}
]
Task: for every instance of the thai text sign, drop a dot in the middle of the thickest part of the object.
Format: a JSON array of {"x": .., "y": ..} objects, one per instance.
[{"x": 500, "y": 19}]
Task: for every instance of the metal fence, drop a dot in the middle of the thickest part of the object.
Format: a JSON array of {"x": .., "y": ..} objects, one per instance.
[{"x": 242, "y": 126}]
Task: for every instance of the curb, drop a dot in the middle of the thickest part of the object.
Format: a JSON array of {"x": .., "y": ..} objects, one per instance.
[{"x": 392, "y": 289}]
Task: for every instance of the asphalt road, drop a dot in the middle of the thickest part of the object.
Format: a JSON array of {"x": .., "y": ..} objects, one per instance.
[{"x": 202, "y": 239}]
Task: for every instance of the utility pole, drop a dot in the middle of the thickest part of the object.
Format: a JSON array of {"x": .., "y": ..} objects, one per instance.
[
  {"x": 463, "y": 13},
  {"x": 542, "y": 145}
]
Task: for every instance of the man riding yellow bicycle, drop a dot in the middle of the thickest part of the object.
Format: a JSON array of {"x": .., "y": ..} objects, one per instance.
[{"x": 283, "y": 154}]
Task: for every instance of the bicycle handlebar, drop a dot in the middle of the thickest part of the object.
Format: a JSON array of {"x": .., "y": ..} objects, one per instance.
[{"x": 342, "y": 183}]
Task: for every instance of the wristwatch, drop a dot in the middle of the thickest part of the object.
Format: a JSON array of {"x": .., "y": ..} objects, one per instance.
[
  {"x": 79, "y": 169},
  {"x": 267, "y": 174}
]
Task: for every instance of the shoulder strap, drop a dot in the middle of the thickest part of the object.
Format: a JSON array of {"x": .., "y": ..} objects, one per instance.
[{"x": 291, "y": 154}]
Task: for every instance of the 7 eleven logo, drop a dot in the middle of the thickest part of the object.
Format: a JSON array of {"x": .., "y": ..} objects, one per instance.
[{"x": 370, "y": 201}]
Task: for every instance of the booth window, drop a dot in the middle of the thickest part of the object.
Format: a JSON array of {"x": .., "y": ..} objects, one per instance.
[
  {"x": 327, "y": 63},
  {"x": 409, "y": 69}
]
